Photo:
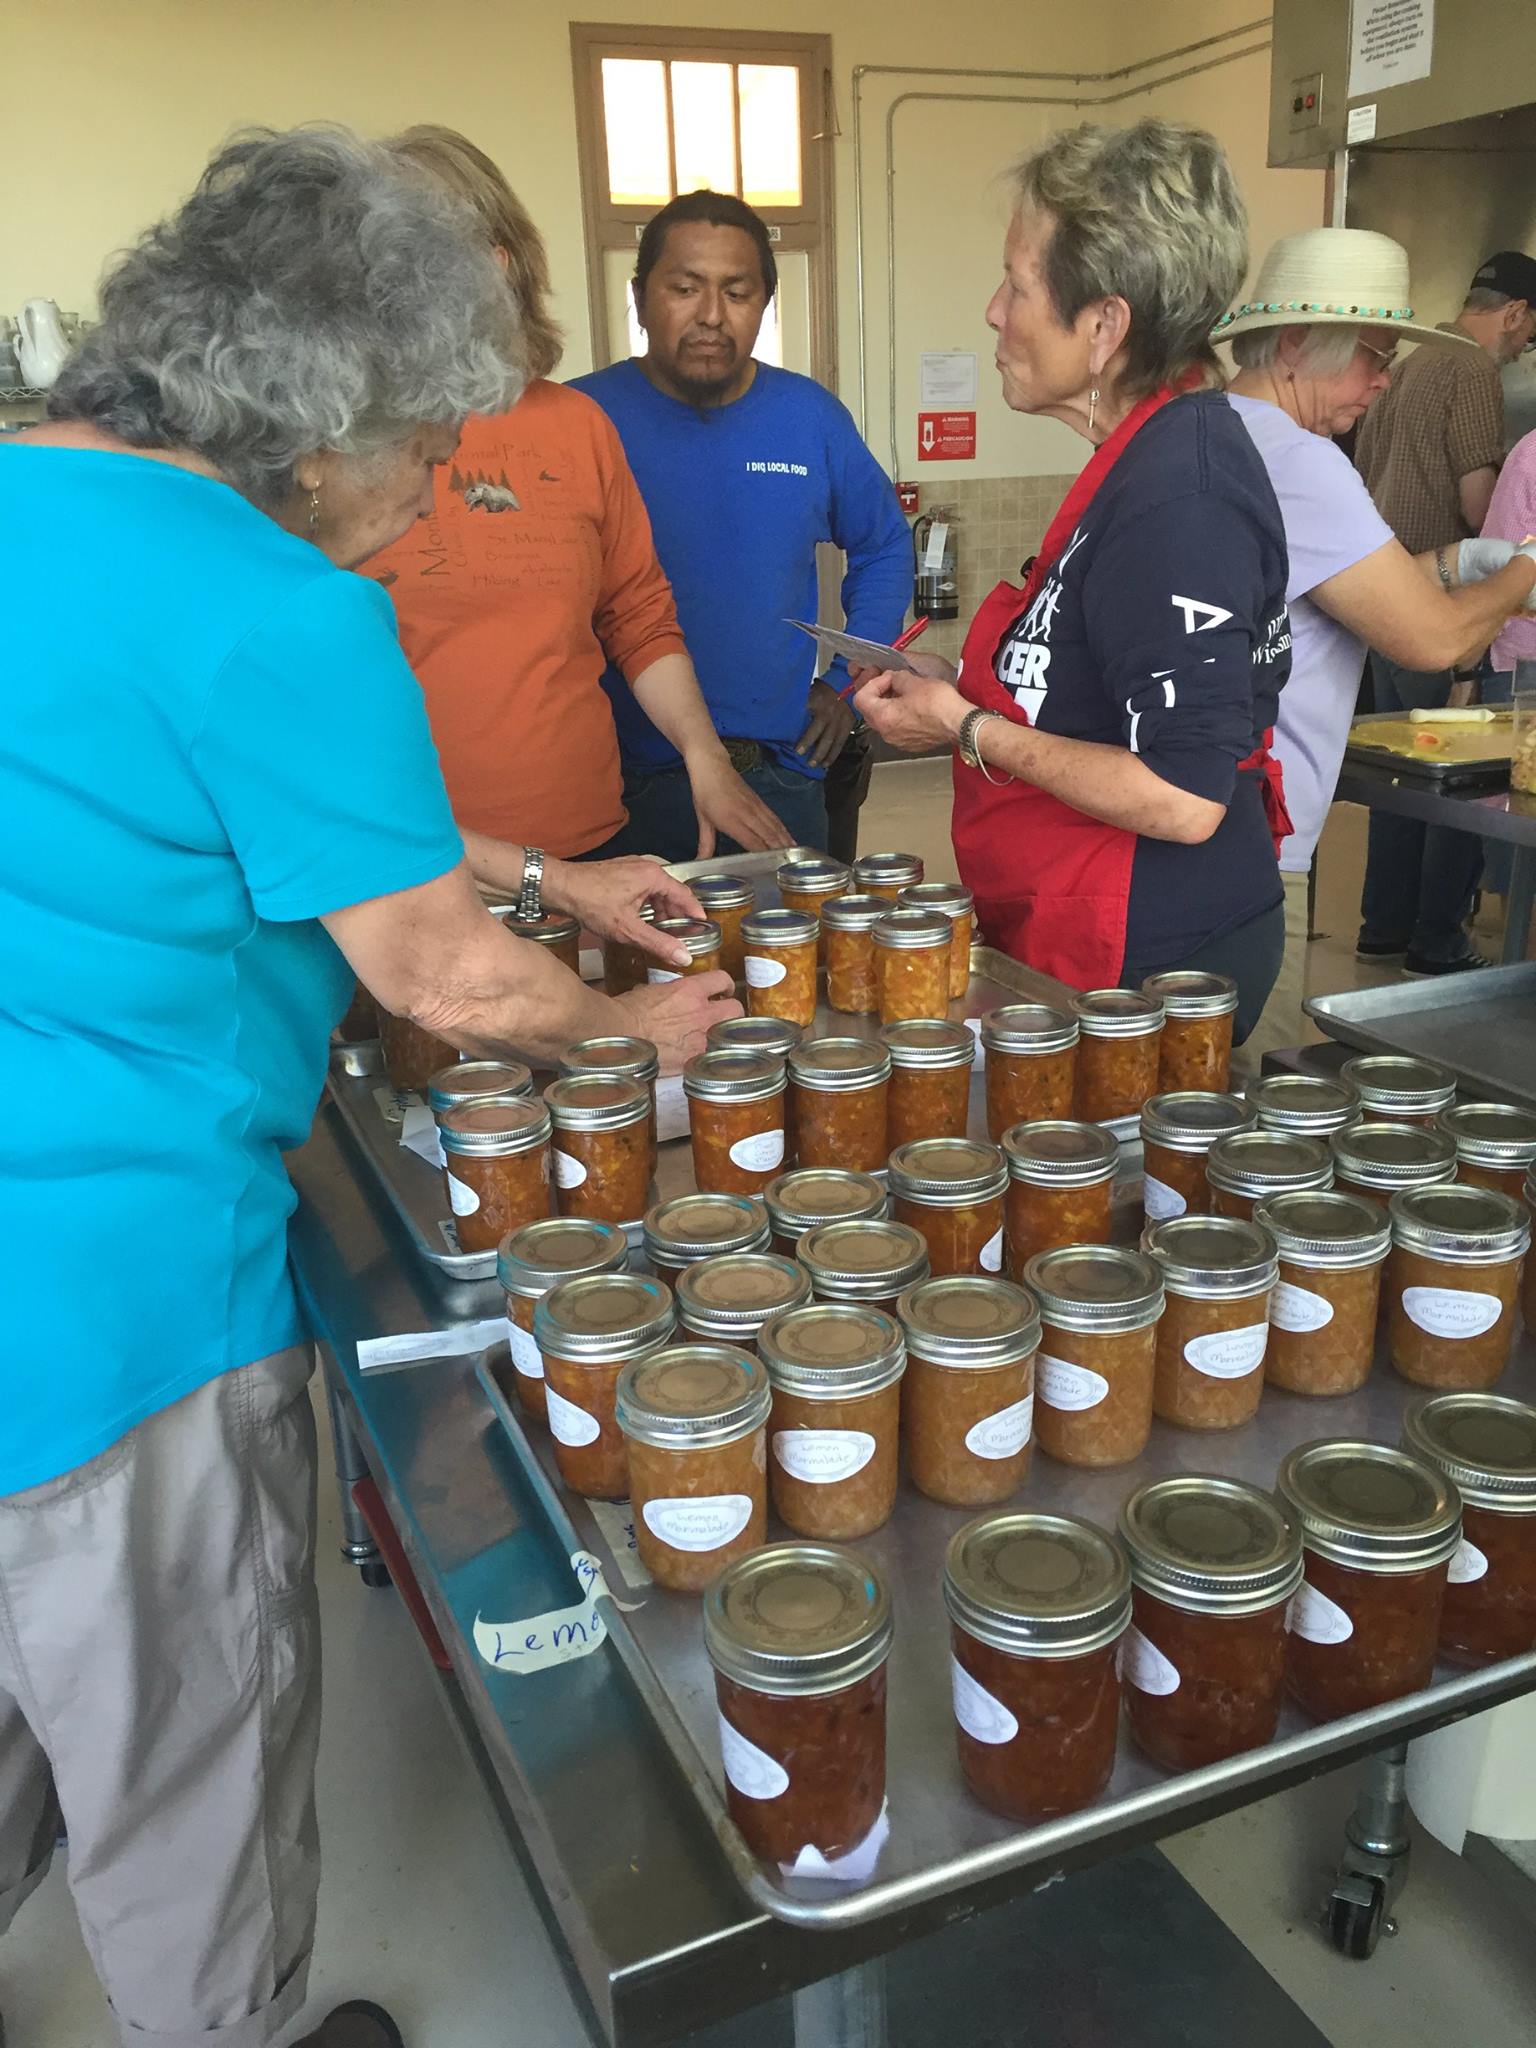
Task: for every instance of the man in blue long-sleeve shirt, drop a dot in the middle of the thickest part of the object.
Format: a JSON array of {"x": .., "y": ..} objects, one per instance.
[{"x": 744, "y": 468}]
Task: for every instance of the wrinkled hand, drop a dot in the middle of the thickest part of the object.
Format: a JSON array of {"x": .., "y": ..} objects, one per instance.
[
  {"x": 913, "y": 712},
  {"x": 607, "y": 894},
  {"x": 830, "y": 723},
  {"x": 676, "y": 1015},
  {"x": 726, "y": 806}
]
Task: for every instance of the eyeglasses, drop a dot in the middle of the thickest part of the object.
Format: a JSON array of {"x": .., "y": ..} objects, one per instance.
[{"x": 1386, "y": 357}]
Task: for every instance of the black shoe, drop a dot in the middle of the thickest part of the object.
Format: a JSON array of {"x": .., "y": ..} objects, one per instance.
[
  {"x": 1379, "y": 949},
  {"x": 1418, "y": 968},
  {"x": 357, "y": 2024}
]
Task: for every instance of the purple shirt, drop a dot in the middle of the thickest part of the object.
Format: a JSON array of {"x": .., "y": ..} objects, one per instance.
[{"x": 1512, "y": 516}]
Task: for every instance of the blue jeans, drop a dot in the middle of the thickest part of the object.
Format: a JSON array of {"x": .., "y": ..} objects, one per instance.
[
  {"x": 1419, "y": 879},
  {"x": 662, "y": 819}
]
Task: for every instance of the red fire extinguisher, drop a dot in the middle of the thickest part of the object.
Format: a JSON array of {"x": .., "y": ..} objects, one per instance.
[{"x": 936, "y": 580}]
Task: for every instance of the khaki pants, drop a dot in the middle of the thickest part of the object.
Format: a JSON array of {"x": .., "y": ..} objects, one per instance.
[
  {"x": 160, "y": 1684},
  {"x": 1282, "y": 1021}
]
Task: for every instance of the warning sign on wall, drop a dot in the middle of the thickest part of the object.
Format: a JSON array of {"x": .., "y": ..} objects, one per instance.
[{"x": 946, "y": 437}]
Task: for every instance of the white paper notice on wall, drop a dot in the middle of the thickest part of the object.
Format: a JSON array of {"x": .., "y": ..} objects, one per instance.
[
  {"x": 1390, "y": 42},
  {"x": 947, "y": 379},
  {"x": 539, "y": 1641},
  {"x": 1361, "y": 126}
]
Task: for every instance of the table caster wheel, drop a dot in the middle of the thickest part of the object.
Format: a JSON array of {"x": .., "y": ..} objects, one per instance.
[
  {"x": 375, "y": 1572},
  {"x": 1355, "y": 1915}
]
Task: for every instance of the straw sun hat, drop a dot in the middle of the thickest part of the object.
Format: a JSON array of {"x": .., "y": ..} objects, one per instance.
[{"x": 1332, "y": 277}]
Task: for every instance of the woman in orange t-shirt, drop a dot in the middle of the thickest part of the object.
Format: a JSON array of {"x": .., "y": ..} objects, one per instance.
[{"x": 536, "y": 568}]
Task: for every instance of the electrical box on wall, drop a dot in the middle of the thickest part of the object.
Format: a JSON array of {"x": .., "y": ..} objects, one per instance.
[{"x": 1306, "y": 102}]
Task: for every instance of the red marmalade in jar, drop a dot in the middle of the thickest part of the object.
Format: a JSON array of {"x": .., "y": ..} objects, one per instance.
[
  {"x": 1197, "y": 1029},
  {"x": 912, "y": 964},
  {"x": 735, "y": 1121},
  {"x": 496, "y": 1166},
  {"x": 967, "y": 1405},
  {"x": 835, "y": 1438},
  {"x": 951, "y": 1189},
  {"x": 1485, "y": 1445},
  {"x": 835, "y": 1114},
  {"x": 693, "y": 1419},
  {"x": 1177, "y": 1133},
  {"x": 1031, "y": 1066},
  {"x": 1495, "y": 1145},
  {"x": 930, "y": 1087},
  {"x": 1452, "y": 1282},
  {"x": 1099, "y": 1310},
  {"x": 848, "y": 942},
  {"x": 1061, "y": 1183},
  {"x": 725, "y": 901},
  {"x": 602, "y": 1155},
  {"x": 587, "y": 1331},
  {"x": 780, "y": 965},
  {"x": 954, "y": 901},
  {"x": 529, "y": 1262},
  {"x": 1218, "y": 1275},
  {"x": 1119, "y": 1051},
  {"x": 1322, "y": 1314}
]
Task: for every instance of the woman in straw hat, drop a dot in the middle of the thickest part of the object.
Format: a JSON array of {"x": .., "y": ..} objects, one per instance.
[{"x": 1313, "y": 347}]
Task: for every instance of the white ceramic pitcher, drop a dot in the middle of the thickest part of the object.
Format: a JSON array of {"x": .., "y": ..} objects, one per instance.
[{"x": 40, "y": 343}]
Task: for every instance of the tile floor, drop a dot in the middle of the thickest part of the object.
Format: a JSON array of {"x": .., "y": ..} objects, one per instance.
[{"x": 423, "y": 1907}]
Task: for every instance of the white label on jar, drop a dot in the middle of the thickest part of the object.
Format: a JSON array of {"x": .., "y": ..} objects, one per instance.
[
  {"x": 1451, "y": 1311},
  {"x": 1060, "y": 1384},
  {"x": 992, "y": 1253},
  {"x": 762, "y": 972},
  {"x": 1467, "y": 1564},
  {"x": 1159, "y": 1200},
  {"x": 1004, "y": 1434},
  {"x": 569, "y": 1172},
  {"x": 823, "y": 1456},
  {"x": 1315, "y": 1616},
  {"x": 983, "y": 1718},
  {"x": 1298, "y": 1308},
  {"x": 1229, "y": 1354},
  {"x": 464, "y": 1199},
  {"x": 1144, "y": 1664},
  {"x": 656, "y": 974},
  {"x": 764, "y": 1149},
  {"x": 569, "y": 1424},
  {"x": 702, "y": 1524},
  {"x": 755, "y": 1774},
  {"x": 526, "y": 1355}
]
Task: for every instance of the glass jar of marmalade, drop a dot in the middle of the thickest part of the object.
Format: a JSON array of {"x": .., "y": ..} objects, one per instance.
[
  {"x": 529, "y": 1262},
  {"x": 1322, "y": 1314},
  {"x": 693, "y": 1418},
  {"x": 1379, "y": 1529},
  {"x": 477, "y": 1081},
  {"x": 1119, "y": 1051},
  {"x": 798, "y": 1634},
  {"x": 951, "y": 1189},
  {"x": 1198, "y": 1010},
  {"x": 1099, "y": 1310},
  {"x": 615, "y": 1059},
  {"x": 602, "y": 1154},
  {"x": 1031, "y": 1065},
  {"x": 835, "y": 1113},
  {"x": 680, "y": 1232},
  {"x": 930, "y": 1087},
  {"x": 735, "y": 1120},
  {"x": 496, "y": 1167},
  {"x": 411, "y": 1055},
  {"x": 700, "y": 936},
  {"x": 912, "y": 964},
  {"x": 1452, "y": 1283},
  {"x": 967, "y": 1403},
  {"x": 836, "y": 1432},
  {"x": 727, "y": 1299},
  {"x": 1037, "y": 1607},
  {"x": 1397, "y": 1089},
  {"x": 1061, "y": 1183},
  {"x": 1486, "y": 1446},
  {"x": 588, "y": 1330},
  {"x": 771, "y": 1038},
  {"x": 1250, "y": 1166},
  {"x": 1495, "y": 1145},
  {"x": 1218, "y": 1275},
  {"x": 1528, "y": 1287},
  {"x": 954, "y": 901},
  {"x": 871, "y": 1263},
  {"x": 780, "y": 965},
  {"x": 725, "y": 901},
  {"x": 560, "y": 934},
  {"x": 799, "y": 1201},
  {"x": 887, "y": 874},
  {"x": 1376, "y": 1160},
  {"x": 809, "y": 886},
  {"x": 1177, "y": 1133},
  {"x": 625, "y": 966},
  {"x": 848, "y": 946},
  {"x": 1214, "y": 1565},
  {"x": 1305, "y": 1105}
]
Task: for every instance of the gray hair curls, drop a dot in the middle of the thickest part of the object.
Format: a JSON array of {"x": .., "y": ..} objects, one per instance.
[
  {"x": 1327, "y": 348},
  {"x": 309, "y": 294}
]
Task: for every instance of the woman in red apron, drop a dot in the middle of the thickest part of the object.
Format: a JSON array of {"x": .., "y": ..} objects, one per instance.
[{"x": 1116, "y": 809}]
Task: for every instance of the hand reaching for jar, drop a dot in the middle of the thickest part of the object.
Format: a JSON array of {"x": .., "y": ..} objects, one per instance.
[{"x": 676, "y": 1015}]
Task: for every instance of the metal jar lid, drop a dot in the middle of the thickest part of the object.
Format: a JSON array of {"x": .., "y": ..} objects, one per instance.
[
  {"x": 769, "y": 1037},
  {"x": 868, "y": 1260},
  {"x": 832, "y": 1351},
  {"x": 1212, "y": 1258},
  {"x": 969, "y": 1321},
  {"x": 1393, "y": 1155},
  {"x": 1304, "y": 1103},
  {"x": 813, "y": 877},
  {"x": 604, "y": 1316},
  {"x": 1100, "y": 1290},
  {"x": 732, "y": 1295},
  {"x": 1326, "y": 1229},
  {"x": 699, "y": 935},
  {"x": 797, "y": 1201},
  {"x": 1463, "y": 1226},
  {"x": 630, "y": 1059},
  {"x": 928, "y": 1043},
  {"x": 779, "y": 928},
  {"x": 797, "y": 1619},
  {"x": 839, "y": 1064},
  {"x": 1030, "y": 1028},
  {"x": 1267, "y": 1163},
  {"x": 1117, "y": 1013},
  {"x": 1485, "y": 1444},
  {"x": 1192, "y": 1119},
  {"x": 553, "y": 929},
  {"x": 541, "y": 1254},
  {"x": 1037, "y": 1585},
  {"x": 856, "y": 912},
  {"x": 495, "y": 1129},
  {"x": 692, "y": 1397},
  {"x": 887, "y": 870},
  {"x": 1188, "y": 992},
  {"x": 1211, "y": 1545},
  {"x": 1363, "y": 1505},
  {"x": 906, "y": 931},
  {"x": 723, "y": 892},
  {"x": 722, "y": 1076},
  {"x": 953, "y": 899},
  {"x": 477, "y": 1081},
  {"x": 687, "y": 1228},
  {"x": 1058, "y": 1153},
  {"x": 1491, "y": 1134},
  {"x": 1393, "y": 1084},
  {"x": 947, "y": 1173},
  {"x": 597, "y": 1102}
]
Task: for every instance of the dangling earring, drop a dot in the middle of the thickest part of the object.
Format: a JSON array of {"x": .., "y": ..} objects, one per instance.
[
  {"x": 1093, "y": 407},
  {"x": 314, "y": 511}
]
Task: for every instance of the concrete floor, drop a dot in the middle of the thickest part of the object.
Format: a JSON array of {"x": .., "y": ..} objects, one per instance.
[{"x": 423, "y": 1908}]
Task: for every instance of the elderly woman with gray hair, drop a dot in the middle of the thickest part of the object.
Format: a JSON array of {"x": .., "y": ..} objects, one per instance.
[{"x": 221, "y": 802}]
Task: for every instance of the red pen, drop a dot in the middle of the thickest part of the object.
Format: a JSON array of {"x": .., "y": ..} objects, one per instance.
[{"x": 901, "y": 642}]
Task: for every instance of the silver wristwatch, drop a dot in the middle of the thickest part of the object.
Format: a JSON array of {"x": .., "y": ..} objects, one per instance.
[{"x": 530, "y": 897}]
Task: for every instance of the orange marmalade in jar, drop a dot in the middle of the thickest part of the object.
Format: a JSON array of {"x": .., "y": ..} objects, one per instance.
[
  {"x": 587, "y": 1331},
  {"x": 727, "y": 1299},
  {"x": 496, "y": 1166},
  {"x": 967, "y": 1404},
  {"x": 699, "y": 937},
  {"x": 836, "y": 1432},
  {"x": 725, "y": 901},
  {"x": 954, "y": 901},
  {"x": 1397, "y": 1089},
  {"x": 1452, "y": 1282},
  {"x": 1119, "y": 1051},
  {"x": 1322, "y": 1314},
  {"x": 930, "y": 1087},
  {"x": 809, "y": 886},
  {"x": 765, "y": 1037},
  {"x": 871, "y": 1262},
  {"x": 625, "y": 965},
  {"x": 1099, "y": 1310},
  {"x": 886, "y": 874},
  {"x": 615, "y": 1059},
  {"x": 693, "y": 1418},
  {"x": 798, "y": 1202},
  {"x": 1486, "y": 1446},
  {"x": 1305, "y": 1105},
  {"x": 411, "y": 1055},
  {"x": 688, "y": 1228},
  {"x": 798, "y": 1634},
  {"x": 477, "y": 1081},
  {"x": 1250, "y": 1166},
  {"x": 1495, "y": 1145},
  {"x": 1037, "y": 1606},
  {"x": 1214, "y": 1565},
  {"x": 602, "y": 1154},
  {"x": 1197, "y": 1029},
  {"x": 529, "y": 1262},
  {"x": 780, "y": 965},
  {"x": 912, "y": 964},
  {"x": 735, "y": 1121},
  {"x": 1218, "y": 1275},
  {"x": 1061, "y": 1182},
  {"x": 1378, "y": 1160},
  {"x": 1177, "y": 1133},
  {"x": 951, "y": 1189},
  {"x": 559, "y": 934},
  {"x": 848, "y": 944},
  {"x": 1031, "y": 1065},
  {"x": 1379, "y": 1529},
  {"x": 835, "y": 1113}
]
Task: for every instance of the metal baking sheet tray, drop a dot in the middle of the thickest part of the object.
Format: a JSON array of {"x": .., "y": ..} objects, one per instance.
[
  {"x": 1481, "y": 1026},
  {"x": 1465, "y": 756}
]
